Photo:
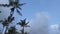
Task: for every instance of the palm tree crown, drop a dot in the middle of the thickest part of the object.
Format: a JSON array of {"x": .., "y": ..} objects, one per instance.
[
  {"x": 12, "y": 30},
  {"x": 23, "y": 23},
  {"x": 15, "y": 5},
  {"x": 7, "y": 21}
]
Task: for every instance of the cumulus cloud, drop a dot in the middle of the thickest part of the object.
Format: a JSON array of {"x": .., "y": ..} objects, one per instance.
[
  {"x": 42, "y": 17},
  {"x": 39, "y": 24},
  {"x": 54, "y": 29}
]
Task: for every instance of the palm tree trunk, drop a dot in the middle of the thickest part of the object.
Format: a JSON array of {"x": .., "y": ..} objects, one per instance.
[
  {"x": 6, "y": 30},
  {"x": 23, "y": 30},
  {"x": 3, "y": 30}
]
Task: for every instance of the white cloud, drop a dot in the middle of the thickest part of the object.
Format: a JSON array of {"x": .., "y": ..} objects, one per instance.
[
  {"x": 54, "y": 27},
  {"x": 40, "y": 23},
  {"x": 42, "y": 16}
]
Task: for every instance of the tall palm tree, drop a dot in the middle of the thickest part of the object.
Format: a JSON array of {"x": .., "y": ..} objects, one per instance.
[
  {"x": 7, "y": 21},
  {"x": 12, "y": 30},
  {"x": 15, "y": 5},
  {"x": 22, "y": 32},
  {"x": 23, "y": 24}
]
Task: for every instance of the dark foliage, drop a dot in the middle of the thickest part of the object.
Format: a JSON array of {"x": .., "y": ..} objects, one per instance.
[
  {"x": 23, "y": 23},
  {"x": 0, "y": 11},
  {"x": 6, "y": 22},
  {"x": 15, "y": 4},
  {"x": 12, "y": 30}
]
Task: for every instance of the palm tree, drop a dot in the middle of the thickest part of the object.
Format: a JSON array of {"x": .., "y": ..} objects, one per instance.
[
  {"x": 12, "y": 30},
  {"x": 15, "y": 5},
  {"x": 23, "y": 24},
  {"x": 7, "y": 21},
  {"x": 23, "y": 32}
]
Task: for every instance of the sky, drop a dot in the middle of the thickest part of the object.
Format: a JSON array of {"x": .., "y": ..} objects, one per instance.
[{"x": 43, "y": 15}]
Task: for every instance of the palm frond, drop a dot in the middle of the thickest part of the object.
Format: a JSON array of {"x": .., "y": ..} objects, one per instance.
[
  {"x": 26, "y": 23},
  {"x": 23, "y": 20},
  {"x": 9, "y": 17},
  {"x": 5, "y": 23},
  {"x": 12, "y": 10},
  {"x": 19, "y": 8},
  {"x": 18, "y": 12},
  {"x": 12, "y": 19},
  {"x": 0, "y": 11},
  {"x": 12, "y": 30},
  {"x": 27, "y": 26},
  {"x": 1, "y": 20},
  {"x": 19, "y": 23},
  {"x": 4, "y": 5},
  {"x": 22, "y": 4}
]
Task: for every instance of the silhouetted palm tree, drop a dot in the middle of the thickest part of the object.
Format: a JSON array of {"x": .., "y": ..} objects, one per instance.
[
  {"x": 12, "y": 30},
  {"x": 15, "y": 5},
  {"x": 23, "y": 24},
  {"x": 7, "y": 21},
  {"x": 26, "y": 33},
  {"x": 22, "y": 32}
]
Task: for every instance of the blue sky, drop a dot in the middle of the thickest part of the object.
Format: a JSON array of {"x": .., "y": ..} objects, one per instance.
[
  {"x": 50, "y": 6},
  {"x": 39, "y": 10},
  {"x": 35, "y": 6}
]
